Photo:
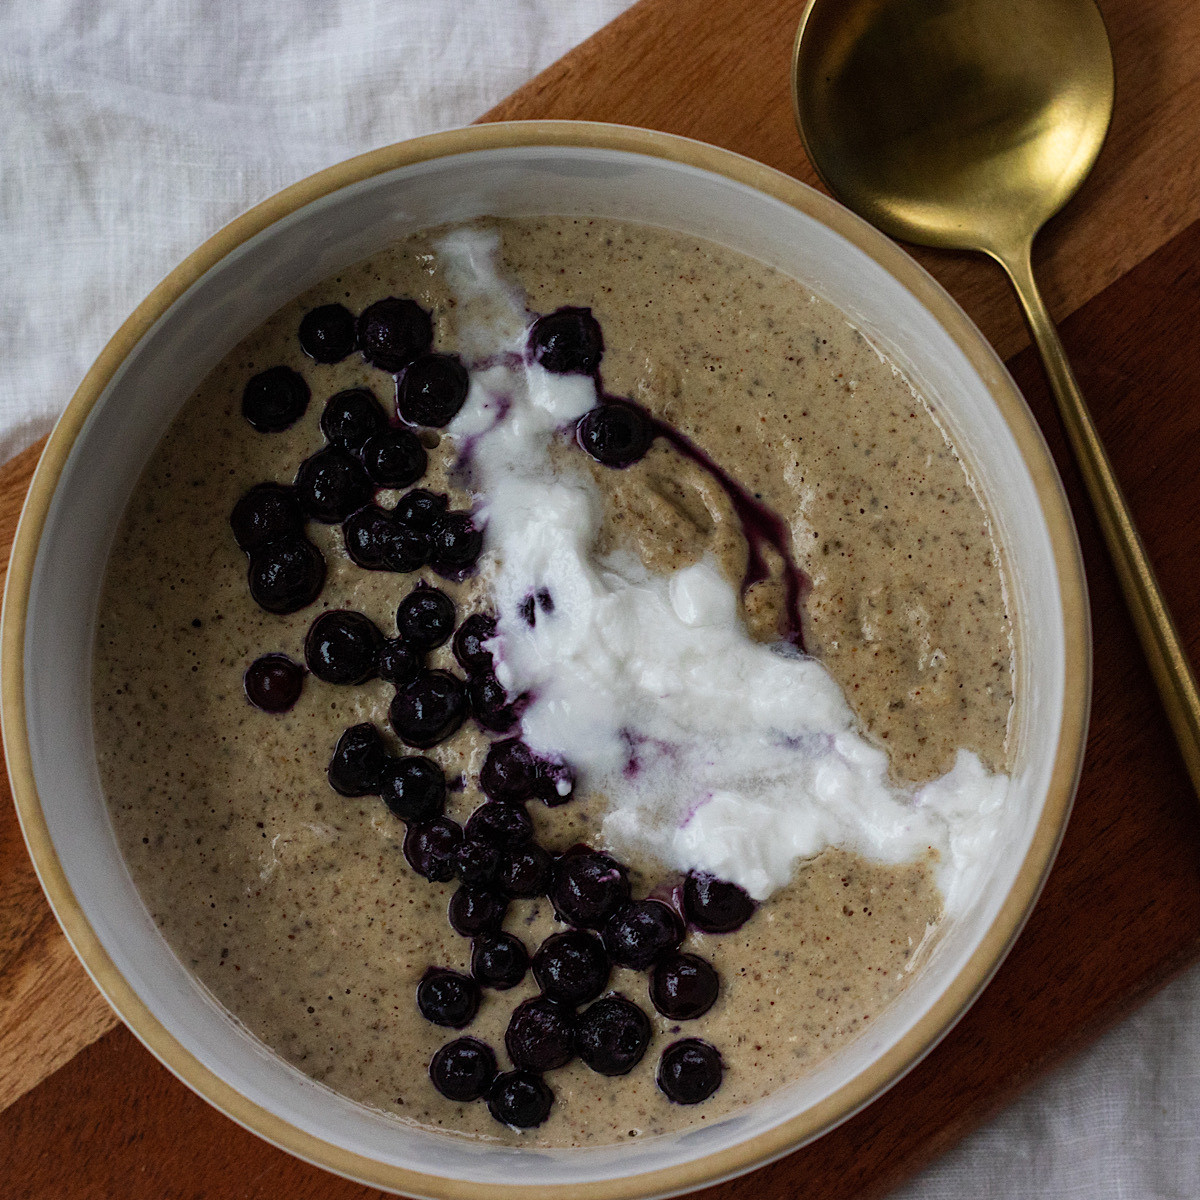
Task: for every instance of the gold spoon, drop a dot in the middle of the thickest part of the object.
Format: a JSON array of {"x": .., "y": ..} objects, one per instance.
[{"x": 967, "y": 124}]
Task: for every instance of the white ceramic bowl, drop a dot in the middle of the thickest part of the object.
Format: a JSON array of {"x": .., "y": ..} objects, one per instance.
[{"x": 266, "y": 258}]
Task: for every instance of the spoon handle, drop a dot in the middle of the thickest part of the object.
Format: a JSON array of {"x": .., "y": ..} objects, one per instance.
[{"x": 1159, "y": 636}]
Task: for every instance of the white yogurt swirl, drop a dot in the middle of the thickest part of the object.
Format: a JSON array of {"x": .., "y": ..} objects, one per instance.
[{"x": 713, "y": 751}]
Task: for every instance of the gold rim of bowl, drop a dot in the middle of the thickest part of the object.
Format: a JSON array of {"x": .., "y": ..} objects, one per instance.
[{"x": 961, "y": 990}]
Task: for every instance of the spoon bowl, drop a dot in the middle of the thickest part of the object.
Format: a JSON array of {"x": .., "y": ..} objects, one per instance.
[
  {"x": 963, "y": 124},
  {"x": 967, "y": 124}
]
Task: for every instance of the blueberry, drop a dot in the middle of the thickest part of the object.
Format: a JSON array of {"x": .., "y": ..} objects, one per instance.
[
  {"x": 555, "y": 783},
  {"x": 286, "y": 575},
  {"x": 414, "y": 788},
  {"x": 541, "y": 1034},
  {"x": 614, "y": 433},
  {"x": 683, "y": 986},
  {"x": 398, "y": 664},
  {"x": 499, "y": 960},
  {"x": 689, "y": 1071},
  {"x": 457, "y": 544},
  {"x": 509, "y": 772},
  {"x": 431, "y": 390},
  {"x": 463, "y": 1069},
  {"x": 447, "y": 998},
  {"x": 342, "y": 647},
  {"x": 473, "y": 911},
  {"x": 571, "y": 967},
  {"x": 526, "y": 872},
  {"x": 478, "y": 863},
  {"x": 273, "y": 683},
  {"x": 394, "y": 459},
  {"x": 331, "y": 485},
  {"x": 715, "y": 905},
  {"x": 520, "y": 1099},
  {"x": 351, "y": 417},
  {"x": 489, "y": 703},
  {"x": 430, "y": 848},
  {"x": 612, "y": 1035},
  {"x": 358, "y": 762},
  {"x": 588, "y": 887},
  {"x": 392, "y": 332},
  {"x": 505, "y": 826},
  {"x": 642, "y": 932},
  {"x": 420, "y": 509},
  {"x": 429, "y": 709},
  {"x": 567, "y": 341},
  {"x": 274, "y": 399},
  {"x": 327, "y": 333},
  {"x": 469, "y": 647},
  {"x": 267, "y": 513},
  {"x": 425, "y": 617},
  {"x": 376, "y": 541}
]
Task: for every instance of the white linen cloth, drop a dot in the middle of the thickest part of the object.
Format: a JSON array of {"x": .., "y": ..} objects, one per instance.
[{"x": 130, "y": 130}]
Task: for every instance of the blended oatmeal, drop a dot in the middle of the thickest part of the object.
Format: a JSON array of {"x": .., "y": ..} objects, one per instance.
[{"x": 552, "y": 680}]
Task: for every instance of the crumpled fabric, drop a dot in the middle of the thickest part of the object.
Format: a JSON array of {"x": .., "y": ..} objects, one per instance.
[{"x": 131, "y": 130}]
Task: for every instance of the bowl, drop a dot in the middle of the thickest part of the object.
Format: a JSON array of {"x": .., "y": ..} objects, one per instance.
[{"x": 268, "y": 256}]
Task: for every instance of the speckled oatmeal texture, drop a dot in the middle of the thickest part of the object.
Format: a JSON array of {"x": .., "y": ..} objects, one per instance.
[{"x": 295, "y": 906}]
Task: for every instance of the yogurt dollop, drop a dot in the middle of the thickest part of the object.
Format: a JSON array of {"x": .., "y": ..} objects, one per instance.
[{"x": 713, "y": 751}]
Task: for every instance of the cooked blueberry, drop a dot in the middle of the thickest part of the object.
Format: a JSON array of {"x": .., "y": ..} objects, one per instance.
[
  {"x": 469, "y": 647},
  {"x": 478, "y": 863},
  {"x": 489, "y": 703},
  {"x": 509, "y": 772},
  {"x": 327, "y": 333},
  {"x": 392, "y": 332},
  {"x": 457, "y": 544},
  {"x": 615, "y": 433},
  {"x": 689, "y": 1071},
  {"x": 588, "y": 887},
  {"x": 420, "y": 509},
  {"x": 683, "y": 986},
  {"x": 447, "y": 998},
  {"x": 612, "y": 1035},
  {"x": 499, "y": 960},
  {"x": 378, "y": 542},
  {"x": 351, "y": 417},
  {"x": 567, "y": 341},
  {"x": 430, "y": 847},
  {"x": 286, "y": 575},
  {"x": 331, "y": 485},
  {"x": 520, "y": 1099},
  {"x": 358, "y": 761},
  {"x": 555, "y": 783},
  {"x": 265, "y": 514},
  {"x": 503, "y": 825},
  {"x": 274, "y": 399},
  {"x": 571, "y": 967},
  {"x": 343, "y": 647},
  {"x": 425, "y": 617},
  {"x": 642, "y": 932},
  {"x": 541, "y": 1034},
  {"x": 429, "y": 709},
  {"x": 473, "y": 911},
  {"x": 398, "y": 663},
  {"x": 394, "y": 459},
  {"x": 431, "y": 390},
  {"x": 414, "y": 788},
  {"x": 273, "y": 682},
  {"x": 526, "y": 872},
  {"x": 463, "y": 1069},
  {"x": 715, "y": 905}
]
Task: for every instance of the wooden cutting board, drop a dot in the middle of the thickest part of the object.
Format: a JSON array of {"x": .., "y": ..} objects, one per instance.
[{"x": 87, "y": 1112}]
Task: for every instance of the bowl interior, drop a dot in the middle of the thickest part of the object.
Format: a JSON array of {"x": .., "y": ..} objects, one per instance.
[{"x": 245, "y": 286}]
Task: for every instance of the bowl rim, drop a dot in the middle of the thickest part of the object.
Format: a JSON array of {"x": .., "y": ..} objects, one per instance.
[{"x": 960, "y": 992}]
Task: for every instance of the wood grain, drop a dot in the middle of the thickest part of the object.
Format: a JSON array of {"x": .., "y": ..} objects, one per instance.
[{"x": 1121, "y": 912}]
